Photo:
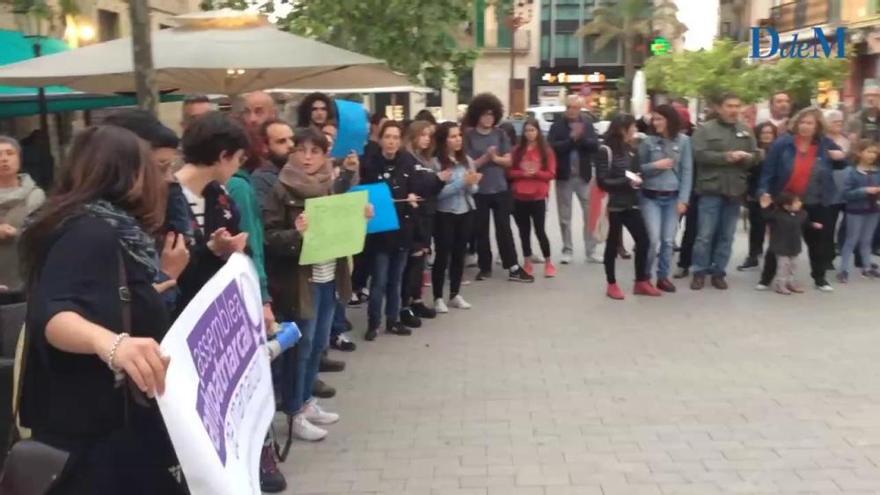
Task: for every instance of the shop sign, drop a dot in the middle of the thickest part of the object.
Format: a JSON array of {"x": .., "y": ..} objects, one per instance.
[{"x": 565, "y": 78}]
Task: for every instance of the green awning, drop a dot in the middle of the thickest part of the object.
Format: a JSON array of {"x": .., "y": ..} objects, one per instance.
[{"x": 19, "y": 102}]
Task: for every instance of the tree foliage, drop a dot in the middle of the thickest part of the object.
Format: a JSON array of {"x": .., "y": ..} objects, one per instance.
[
  {"x": 51, "y": 12},
  {"x": 419, "y": 38},
  {"x": 630, "y": 22},
  {"x": 726, "y": 68}
]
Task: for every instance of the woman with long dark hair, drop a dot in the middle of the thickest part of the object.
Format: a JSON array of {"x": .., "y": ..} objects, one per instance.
[
  {"x": 534, "y": 167},
  {"x": 390, "y": 249},
  {"x": 765, "y": 134},
  {"x": 455, "y": 215},
  {"x": 668, "y": 171},
  {"x": 802, "y": 162},
  {"x": 93, "y": 236},
  {"x": 619, "y": 174}
]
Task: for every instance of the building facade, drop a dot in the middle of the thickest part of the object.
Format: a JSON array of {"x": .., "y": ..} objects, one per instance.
[{"x": 571, "y": 64}]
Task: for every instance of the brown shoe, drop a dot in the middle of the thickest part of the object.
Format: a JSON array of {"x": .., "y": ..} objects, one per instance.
[
  {"x": 698, "y": 282},
  {"x": 665, "y": 285},
  {"x": 718, "y": 282}
]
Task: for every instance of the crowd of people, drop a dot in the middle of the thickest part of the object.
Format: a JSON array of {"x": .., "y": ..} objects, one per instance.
[{"x": 125, "y": 214}]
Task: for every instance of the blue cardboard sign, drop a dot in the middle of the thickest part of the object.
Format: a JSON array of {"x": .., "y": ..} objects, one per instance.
[
  {"x": 353, "y": 128},
  {"x": 385, "y": 217}
]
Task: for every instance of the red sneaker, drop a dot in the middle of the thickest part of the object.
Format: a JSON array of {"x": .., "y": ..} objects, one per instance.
[
  {"x": 614, "y": 292},
  {"x": 549, "y": 269},
  {"x": 646, "y": 289},
  {"x": 529, "y": 267}
]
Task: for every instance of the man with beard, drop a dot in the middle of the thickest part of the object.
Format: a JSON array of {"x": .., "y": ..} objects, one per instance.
[{"x": 277, "y": 136}]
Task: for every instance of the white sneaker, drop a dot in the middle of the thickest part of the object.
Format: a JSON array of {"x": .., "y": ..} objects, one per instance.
[
  {"x": 826, "y": 287},
  {"x": 317, "y": 416},
  {"x": 440, "y": 306},
  {"x": 762, "y": 287},
  {"x": 470, "y": 260},
  {"x": 537, "y": 259},
  {"x": 595, "y": 259},
  {"x": 459, "y": 302},
  {"x": 565, "y": 258},
  {"x": 304, "y": 430}
]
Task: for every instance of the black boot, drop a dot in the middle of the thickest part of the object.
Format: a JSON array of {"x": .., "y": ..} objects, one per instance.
[
  {"x": 409, "y": 318},
  {"x": 330, "y": 365},
  {"x": 423, "y": 311},
  {"x": 397, "y": 328},
  {"x": 271, "y": 479}
]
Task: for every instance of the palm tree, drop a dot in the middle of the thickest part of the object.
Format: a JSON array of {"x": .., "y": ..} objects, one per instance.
[{"x": 628, "y": 21}]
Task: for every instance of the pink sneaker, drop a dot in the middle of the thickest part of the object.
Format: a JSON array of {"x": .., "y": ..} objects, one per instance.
[
  {"x": 529, "y": 267},
  {"x": 646, "y": 289},
  {"x": 614, "y": 292},
  {"x": 549, "y": 269}
]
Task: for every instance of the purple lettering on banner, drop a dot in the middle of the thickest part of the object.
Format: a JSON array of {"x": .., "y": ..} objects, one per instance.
[{"x": 222, "y": 344}]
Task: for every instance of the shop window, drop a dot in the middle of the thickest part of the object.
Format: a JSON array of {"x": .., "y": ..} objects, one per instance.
[
  {"x": 568, "y": 11},
  {"x": 546, "y": 7},
  {"x": 545, "y": 47}
]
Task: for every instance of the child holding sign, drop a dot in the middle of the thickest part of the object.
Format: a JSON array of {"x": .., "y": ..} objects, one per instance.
[{"x": 305, "y": 294}]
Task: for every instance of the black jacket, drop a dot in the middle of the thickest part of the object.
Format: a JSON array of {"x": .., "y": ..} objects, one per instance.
[
  {"x": 612, "y": 177},
  {"x": 785, "y": 230},
  {"x": 427, "y": 186},
  {"x": 399, "y": 173},
  {"x": 560, "y": 139}
]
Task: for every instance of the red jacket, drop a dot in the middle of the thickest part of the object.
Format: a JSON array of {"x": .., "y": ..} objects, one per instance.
[{"x": 532, "y": 187}]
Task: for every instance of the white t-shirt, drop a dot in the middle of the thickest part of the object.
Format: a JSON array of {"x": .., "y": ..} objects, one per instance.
[
  {"x": 324, "y": 272},
  {"x": 196, "y": 205}
]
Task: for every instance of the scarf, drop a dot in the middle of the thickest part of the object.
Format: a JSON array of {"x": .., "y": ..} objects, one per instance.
[
  {"x": 137, "y": 243},
  {"x": 305, "y": 185}
]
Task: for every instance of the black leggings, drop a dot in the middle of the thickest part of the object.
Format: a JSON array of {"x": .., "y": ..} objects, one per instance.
[
  {"x": 526, "y": 213},
  {"x": 632, "y": 220},
  {"x": 412, "y": 280},
  {"x": 757, "y": 229},
  {"x": 451, "y": 235},
  {"x": 690, "y": 234}
]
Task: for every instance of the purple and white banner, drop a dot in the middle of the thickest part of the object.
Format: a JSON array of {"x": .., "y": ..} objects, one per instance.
[{"x": 218, "y": 402}]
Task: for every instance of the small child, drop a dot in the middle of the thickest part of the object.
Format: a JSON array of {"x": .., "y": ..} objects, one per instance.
[
  {"x": 861, "y": 189},
  {"x": 786, "y": 222}
]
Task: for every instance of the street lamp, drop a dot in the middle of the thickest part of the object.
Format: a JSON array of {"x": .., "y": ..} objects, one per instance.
[
  {"x": 519, "y": 15},
  {"x": 34, "y": 25}
]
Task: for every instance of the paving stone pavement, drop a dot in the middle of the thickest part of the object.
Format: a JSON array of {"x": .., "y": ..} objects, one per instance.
[{"x": 552, "y": 389}]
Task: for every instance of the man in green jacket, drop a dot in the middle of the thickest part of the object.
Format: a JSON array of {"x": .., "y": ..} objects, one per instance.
[{"x": 724, "y": 150}]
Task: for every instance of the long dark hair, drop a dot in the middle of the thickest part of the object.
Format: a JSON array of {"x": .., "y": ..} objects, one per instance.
[
  {"x": 760, "y": 128},
  {"x": 440, "y": 137},
  {"x": 304, "y": 111},
  {"x": 541, "y": 143},
  {"x": 673, "y": 120},
  {"x": 105, "y": 162},
  {"x": 614, "y": 136}
]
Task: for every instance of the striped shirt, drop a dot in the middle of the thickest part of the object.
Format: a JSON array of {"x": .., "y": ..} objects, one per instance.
[
  {"x": 324, "y": 272},
  {"x": 196, "y": 205}
]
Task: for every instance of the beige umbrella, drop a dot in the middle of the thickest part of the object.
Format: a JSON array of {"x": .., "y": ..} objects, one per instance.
[{"x": 220, "y": 52}]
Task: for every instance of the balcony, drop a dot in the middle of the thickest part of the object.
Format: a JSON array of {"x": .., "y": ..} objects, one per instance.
[
  {"x": 500, "y": 41},
  {"x": 800, "y": 14}
]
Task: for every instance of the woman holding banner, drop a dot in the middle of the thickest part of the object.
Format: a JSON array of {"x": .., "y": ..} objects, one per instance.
[
  {"x": 305, "y": 294},
  {"x": 94, "y": 322}
]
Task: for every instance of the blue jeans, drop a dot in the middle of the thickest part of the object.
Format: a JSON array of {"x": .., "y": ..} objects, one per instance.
[
  {"x": 385, "y": 284},
  {"x": 303, "y": 361},
  {"x": 661, "y": 221},
  {"x": 339, "y": 326},
  {"x": 716, "y": 226},
  {"x": 860, "y": 230}
]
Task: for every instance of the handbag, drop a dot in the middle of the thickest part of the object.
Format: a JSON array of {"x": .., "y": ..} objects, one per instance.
[{"x": 33, "y": 467}]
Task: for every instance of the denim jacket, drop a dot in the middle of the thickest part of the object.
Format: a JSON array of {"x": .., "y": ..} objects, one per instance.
[
  {"x": 854, "y": 191},
  {"x": 679, "y": 178},
  {"x": 779, "y": 166},
  {"x": 456, "y": 196}
]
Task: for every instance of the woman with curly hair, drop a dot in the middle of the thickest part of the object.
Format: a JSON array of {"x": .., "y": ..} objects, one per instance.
[
  {"x": 316, "y": 109},
  {"x": 489, "y": 148}
]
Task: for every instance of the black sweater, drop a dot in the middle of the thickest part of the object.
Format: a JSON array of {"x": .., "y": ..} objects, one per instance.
[
  {"x": 68, "y": 399},
  {"x": 786, "y": 230}
]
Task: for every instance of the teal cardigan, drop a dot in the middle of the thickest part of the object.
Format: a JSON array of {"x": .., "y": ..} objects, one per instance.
[{"x": 245, "y": 198}]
